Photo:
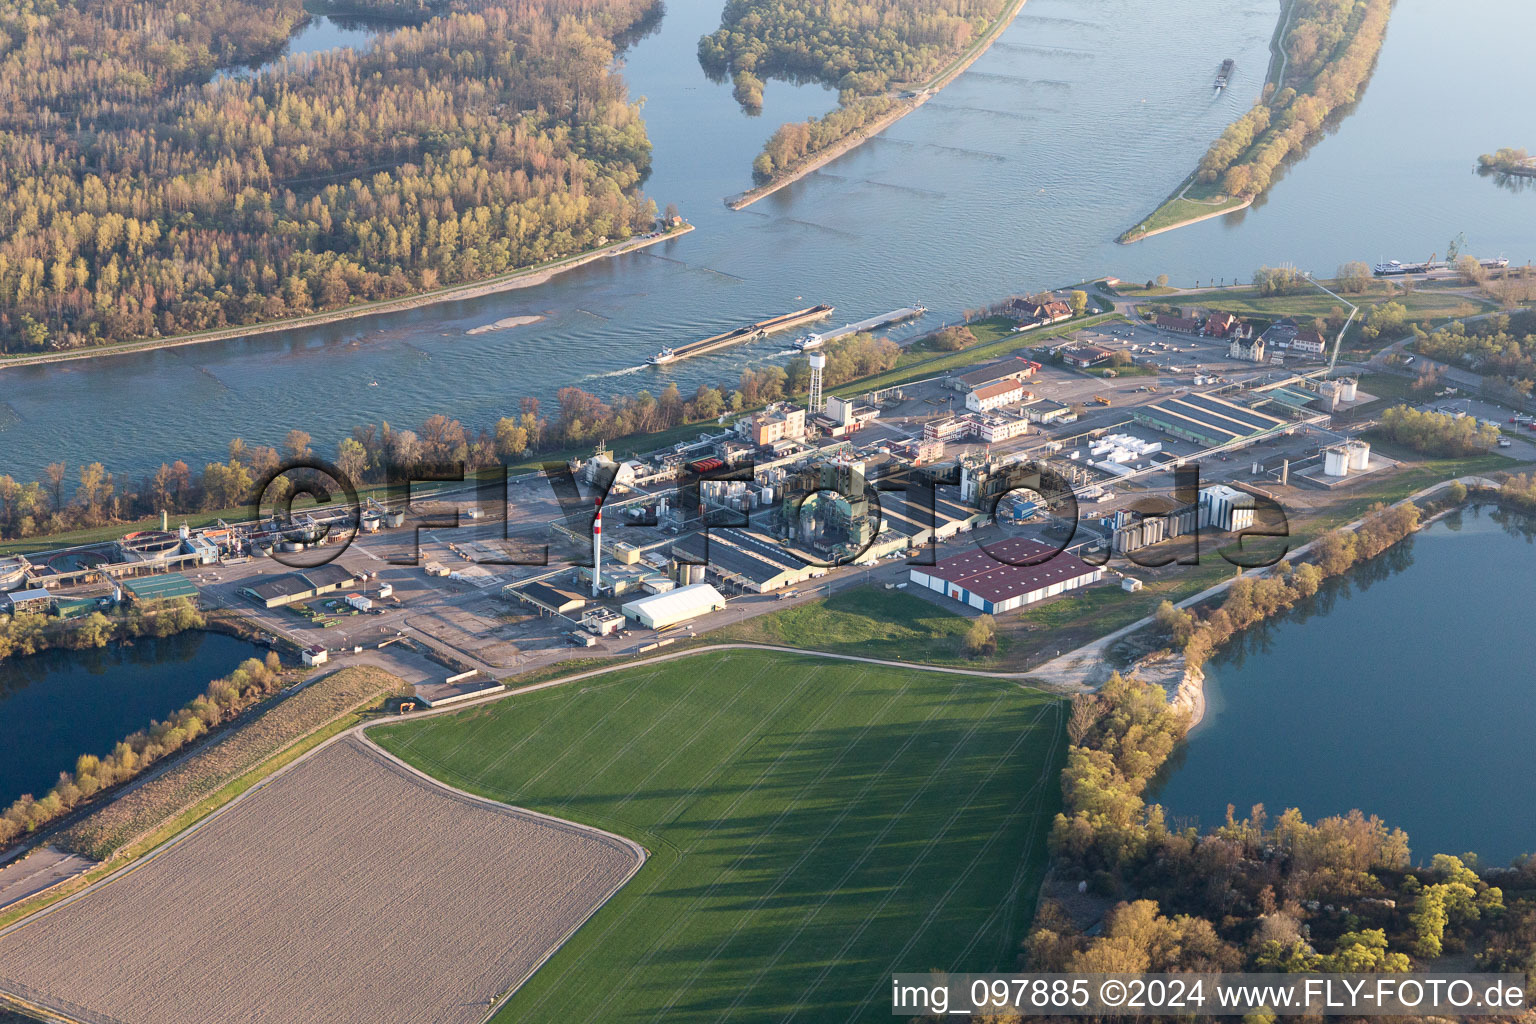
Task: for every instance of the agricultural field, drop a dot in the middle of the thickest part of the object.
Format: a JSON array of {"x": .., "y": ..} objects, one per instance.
[
  {"x": 349, "y": 888},
  {"x": 813, "y": 825},
  {"x": 147, "y": 805}
]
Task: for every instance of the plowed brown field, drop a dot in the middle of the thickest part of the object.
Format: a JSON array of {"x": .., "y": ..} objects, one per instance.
[{"x": 348, "y": 889}]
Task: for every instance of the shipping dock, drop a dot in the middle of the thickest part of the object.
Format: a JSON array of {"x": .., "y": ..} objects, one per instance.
[
  {"x": 895, "y": 316},
  {"x": 750, "y": 332},
  {"x": 1395, "y": 268}
]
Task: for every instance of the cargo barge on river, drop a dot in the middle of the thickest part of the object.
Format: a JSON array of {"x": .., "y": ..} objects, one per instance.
[
  {"x": 750, "y": 332},
  {"x": 1394, "y": 268},
  {"x": 895, "y": 316}
]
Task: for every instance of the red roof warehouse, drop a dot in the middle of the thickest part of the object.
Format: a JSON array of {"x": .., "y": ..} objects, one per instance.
[{"x": 987, "y": 581}]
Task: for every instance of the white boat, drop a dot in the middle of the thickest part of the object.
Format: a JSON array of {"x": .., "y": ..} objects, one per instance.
[
  {"x": 663, "y": 357},
  {"x": 809, "y": 342}
]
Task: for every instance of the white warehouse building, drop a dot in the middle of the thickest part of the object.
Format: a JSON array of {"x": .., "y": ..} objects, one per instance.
[
  {"x": 994, "y": 396},
  {"x": 658, "y": 611}
]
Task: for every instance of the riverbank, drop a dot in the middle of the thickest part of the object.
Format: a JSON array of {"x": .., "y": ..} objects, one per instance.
[
  {"x": 1186, "y": 683},
  {"x": 905, "y": 106},
  {"x": 1170, "y": 210},
  {"x": 528, "y": 277},
  {"x": 1241, "y": 165}
]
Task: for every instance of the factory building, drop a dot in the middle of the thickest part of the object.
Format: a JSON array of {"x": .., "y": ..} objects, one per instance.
[
  {"x": 1155, "y": 520},
  {"x": 1308, "y": 342},
  {"x": 1047, "y": 410},
  {"x": 744, "y": 559},
  {"x": 22, "y": 601},
  {"x": 293, "y": 587},
  {"x": 1014, "y": 369},
  {"x": 986, "y": 583},
  {"x": 160, "y": 588},
  {"x": 1206, "y": 419},
  {"x": 779, "y": 422},
  {"x": 1177, "y": 324},
  {"x": 658, "y": 611},
  {"x": 548, "y": 598},
  {"x": 994, "y": 396},
  {"x": 1225, "y": 508}
]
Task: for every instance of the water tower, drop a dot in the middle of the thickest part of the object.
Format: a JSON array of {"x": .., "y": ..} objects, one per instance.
[{"x": 814, "y": 403}]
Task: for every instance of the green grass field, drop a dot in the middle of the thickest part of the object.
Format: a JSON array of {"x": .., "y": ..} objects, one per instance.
[
  {"x": 900, "y": 626},
  {"x": 812, "y": 825}
]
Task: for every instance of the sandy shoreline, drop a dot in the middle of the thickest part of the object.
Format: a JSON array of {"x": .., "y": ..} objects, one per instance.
[
  {"x": 852, "y": 141},
  {"x": 528, "y": 277}
]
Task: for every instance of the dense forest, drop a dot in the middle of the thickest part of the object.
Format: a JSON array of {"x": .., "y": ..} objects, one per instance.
[
  {"x": 860, "y": 48},
  {"x": 864, "y": 50},
  {"x": 1329, "y": 51},
  {"x": 139, "y": 197},
  {"x": 794, "y": 143},
  {"x": 89, "y": 495}
]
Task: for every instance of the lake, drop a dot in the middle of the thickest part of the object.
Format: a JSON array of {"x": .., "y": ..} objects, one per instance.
[
  {"x": 1020, "y": 174},
  {"x": 317, "y": 34},
  {"x": 57, "y": 705},
  {"x": 1405, "y": 689}
]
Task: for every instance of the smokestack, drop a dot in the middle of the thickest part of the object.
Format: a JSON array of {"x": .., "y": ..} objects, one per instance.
[{"x": 597, "y": 548}]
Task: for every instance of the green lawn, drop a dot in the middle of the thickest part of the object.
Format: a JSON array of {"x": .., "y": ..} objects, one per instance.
[
  {"x": 812, "y": 826},
  {"x": 1201, "y": 201},
  {"x": 864, "y": 621},
  {"x": 995, "y": 338},
  {"x": 1420, "y": 303}
]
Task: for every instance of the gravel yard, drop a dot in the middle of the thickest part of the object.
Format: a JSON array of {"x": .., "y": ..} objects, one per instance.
[{"x": 348, "y": 889}]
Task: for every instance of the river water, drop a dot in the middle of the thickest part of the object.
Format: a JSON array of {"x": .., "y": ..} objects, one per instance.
[
  {"x": 57, "y": 705},
  {"x": 1373, "y": 695},
  {"x": 1018, "y": 175}
]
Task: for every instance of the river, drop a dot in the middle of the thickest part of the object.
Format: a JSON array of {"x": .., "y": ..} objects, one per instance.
[
  {"x": 1373, "y": 695},
  {"x": 1018, "y": 175},
  {"x": 57, "y": 705}
]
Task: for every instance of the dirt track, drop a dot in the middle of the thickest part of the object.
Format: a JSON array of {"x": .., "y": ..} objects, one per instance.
[{"x": 348, "y": 889}]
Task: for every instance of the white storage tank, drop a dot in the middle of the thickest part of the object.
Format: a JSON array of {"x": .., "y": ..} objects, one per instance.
[
  {"x": 1359, "y": 455},
  {"x": 1335, "y": 462},
  {"x": 1347, "y": 386}
]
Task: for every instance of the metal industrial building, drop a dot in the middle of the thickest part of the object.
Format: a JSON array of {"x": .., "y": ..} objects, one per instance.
[
  {"x": 301, "y": 586},
  {"x": 987, "y": 581},
  {"x": 745, "y": 559},
  {"x": 658, "y": 611},
  {"x": 1206, "y": 419}
]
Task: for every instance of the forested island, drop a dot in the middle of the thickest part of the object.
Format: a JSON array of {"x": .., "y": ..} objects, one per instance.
[
  {"x": 1326, "y": 54},
  {"x": 1508, "y": 161},
  {"x": 145, "y": 198},
  {"x": 884, "y": 59}
]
